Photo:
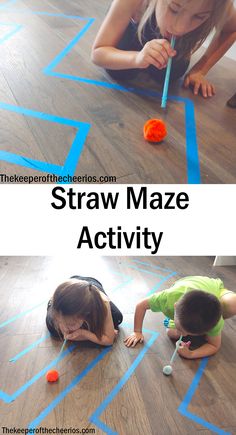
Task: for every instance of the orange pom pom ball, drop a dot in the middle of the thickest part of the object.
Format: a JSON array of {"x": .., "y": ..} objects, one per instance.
[
  {"x": 154, "y": 130},
  {"x": 52, "y": 376}
]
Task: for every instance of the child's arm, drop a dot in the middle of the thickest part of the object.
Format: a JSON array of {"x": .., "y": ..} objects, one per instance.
[
  {"x": 210, "y": 348},
  {"x": 105, "y": 53},
  {"x": 137, "y": 335},
  {"x": 218, "y": 47},
  {"x": 108, "y": 337}
]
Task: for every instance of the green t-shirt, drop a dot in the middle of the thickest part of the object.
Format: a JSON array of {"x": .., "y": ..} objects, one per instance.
[{"x": 165, "y": 300}]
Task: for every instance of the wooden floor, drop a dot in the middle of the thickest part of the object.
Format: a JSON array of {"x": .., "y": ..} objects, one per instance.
[
  {"x": 114, "y": 145},
  {"x": 148, "y": 402}
]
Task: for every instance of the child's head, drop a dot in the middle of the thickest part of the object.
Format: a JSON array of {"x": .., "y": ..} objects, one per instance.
[
  {"x": 191, "y": 21},
  {"x": 197, "y": 312},
  {"x": 76, "y": 303}
]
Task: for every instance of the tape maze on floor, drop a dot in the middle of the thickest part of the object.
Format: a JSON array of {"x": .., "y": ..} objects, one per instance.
[
  {"x": 160, "y": 276},
  {"x": 72, "y": 159}
]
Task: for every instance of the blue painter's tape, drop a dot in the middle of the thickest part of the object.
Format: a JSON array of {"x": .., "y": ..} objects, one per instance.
[
  {"x": 41, "y": 115},
  {"x": 157, "y": 286},
  {"x": 29, "y": 348},
  {"x": 68, "y": 48},
  {"x": 195, "y": 382},
  {"x": 30, "y": 163},
  {"x": 76, "y": 150},
  {"x": 8, "y": 398},
  {"x": 17, "y": 316},
  {"x": 16, "y": 28},
  {"x": 71, "y": 162},
  {"x": 67, "y": 390},
  {"x": 193, "y": 167},
  {"x": 123, "y": 284},
  {"x": 95, "y": 417},
  {"x": 50, "y": 14},
  {"x": 204, "y": 423},
  {"x": 152, "y": 266},
  {"x": 160, "y": 282},
  {"x": 7, "y": 4},
  {"x": 145, "y": 271},
  {"x": 188, "y": 397}
]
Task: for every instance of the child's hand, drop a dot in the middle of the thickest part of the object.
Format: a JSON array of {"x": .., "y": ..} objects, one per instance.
[
  {"x": 79, "y": 334},
  {"x": 133, "y": 339},
  {"x": 199, "y": 83},
  {"x": 155, "y": 52},
  {"x": 184, "y": 351}
]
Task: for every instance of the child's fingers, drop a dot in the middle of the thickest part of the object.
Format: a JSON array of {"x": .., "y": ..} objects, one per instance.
[
  {"x": 129, "y": 342},
  {"x": 153, "y": 61},
  {"x": 157, "y": 56},
  {"x": 187, "y": 82},
  {"x": 167, "y": 47},
  {"x": 135, "y": 342},
  {"x": 196, "y": 87},
  {"x": 204, "y": 90},
  {"x": 160, "y": 51},
  {"x": 211, "y": 90}
]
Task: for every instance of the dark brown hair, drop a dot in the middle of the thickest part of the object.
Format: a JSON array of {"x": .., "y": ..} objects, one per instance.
[
  {"x": 198, "y": 311},
  {"x": 80, "y": 298}
]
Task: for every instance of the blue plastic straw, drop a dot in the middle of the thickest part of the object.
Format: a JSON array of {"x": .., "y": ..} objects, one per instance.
[
  {"x": 167, "y": 77},
  {"x": 62, "y": 348}
]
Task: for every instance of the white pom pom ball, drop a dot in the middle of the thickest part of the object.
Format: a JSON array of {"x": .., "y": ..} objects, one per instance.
[{"x": 167, "y": 370}]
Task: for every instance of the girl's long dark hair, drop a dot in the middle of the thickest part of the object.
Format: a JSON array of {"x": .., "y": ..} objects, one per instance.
[{"x": 82, "y": 299}]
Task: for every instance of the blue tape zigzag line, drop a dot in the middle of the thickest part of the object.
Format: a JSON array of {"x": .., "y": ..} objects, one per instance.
[
  {"x": 119, "y": 286},
  {"x": 149, "y": 272},
  {"x": 29, "y": 348},
  {"x": 164, "y": 277},
  {"x": 7, "y": 4},
  {"x": 16, "y": 29},
  {"x": 95, "y": 417},
  {"x": 8, "y": 398},
  {"x": 17, "y": 316},
  {"x": 152, "y": 266},
  {"x": 157, "y": 286},
  {"x": 183, "y": 408},
  {"x": 67, "y": 390},
  {"x": 49, "y": 14},
  {"x": 75, "y": 150}
]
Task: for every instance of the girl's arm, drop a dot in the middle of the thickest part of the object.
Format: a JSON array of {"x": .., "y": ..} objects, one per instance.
[
  {"x": 218, "y": 47},
  {"x": 106, "y": 339},
  {"x": 105, "y": 53},
  {"x": 137, "y": 335},
  {"x": 210, "y": 348}
]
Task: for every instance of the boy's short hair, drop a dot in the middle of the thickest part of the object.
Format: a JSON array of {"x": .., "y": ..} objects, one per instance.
[{"x": 198, "y": 311}]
